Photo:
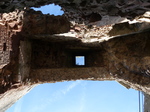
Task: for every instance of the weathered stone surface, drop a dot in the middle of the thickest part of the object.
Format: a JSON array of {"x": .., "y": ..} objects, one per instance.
[
  {"x": 4, "y": 46},
  {"x": 146, "y": 103},
  {"x": 13, "y": 52},
  {"x": 32, "y": 50},
  {"x": 10, "y": 97},
  {"x": 85, "y": 10},
  {"x": 124, "y": 58},
  {"x": 36, "y": 23}
]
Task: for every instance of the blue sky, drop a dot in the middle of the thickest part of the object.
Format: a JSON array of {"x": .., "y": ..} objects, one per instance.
[
  {"x": 50, "y": 9},
  {"x": 80, "y": 60},
  {"x": 77, "y": 96}
]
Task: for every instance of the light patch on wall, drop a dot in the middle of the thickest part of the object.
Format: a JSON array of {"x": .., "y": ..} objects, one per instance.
[
  {"x": 51, "y": 9},
  {"x": 80, "y": 60}
]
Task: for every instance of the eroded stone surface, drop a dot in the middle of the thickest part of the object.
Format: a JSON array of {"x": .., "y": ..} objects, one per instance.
[
  {"x": 36, "y": 23},
  {"x": 14, "y": 29},
  {"x": 7, "y": 100},
  {"x": 33, "y": 51},
  {"x": 85, "y": 10},
  {"x": 124, "y": 58}
]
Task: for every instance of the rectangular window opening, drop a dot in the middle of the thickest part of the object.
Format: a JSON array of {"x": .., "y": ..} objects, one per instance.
[
  {"x": 4, "y": 47},
  {"x": 80, "y": 60}
]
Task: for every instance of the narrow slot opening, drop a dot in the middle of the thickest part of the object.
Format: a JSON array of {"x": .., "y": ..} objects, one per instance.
[{"x": 4, "y": 47}]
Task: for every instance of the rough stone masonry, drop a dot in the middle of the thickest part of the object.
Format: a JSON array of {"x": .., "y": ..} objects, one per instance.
[{"x": 113, "y": 36}]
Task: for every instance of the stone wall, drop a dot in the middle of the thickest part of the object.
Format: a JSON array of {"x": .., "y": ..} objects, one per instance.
[
  {"x": 124, "y": 58},
  {"x": 146, "y": 103},
  {"x": 10, "y": 97},
  {"x": 31, "y": 53}
]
